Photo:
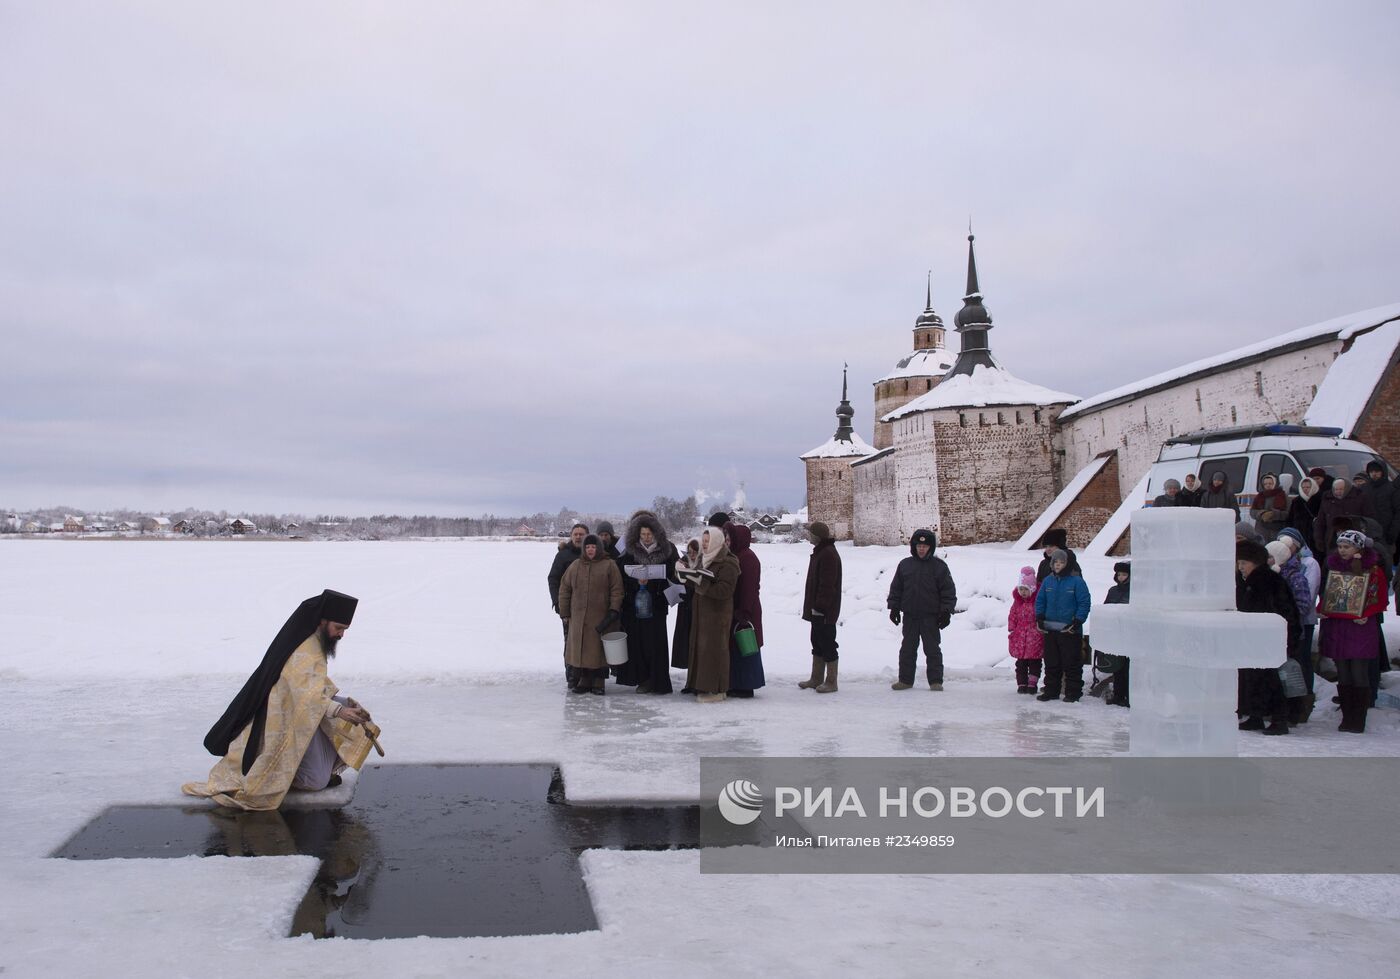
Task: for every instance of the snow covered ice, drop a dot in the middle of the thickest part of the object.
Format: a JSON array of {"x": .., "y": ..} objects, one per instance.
[{"x": 116, "y": 656}]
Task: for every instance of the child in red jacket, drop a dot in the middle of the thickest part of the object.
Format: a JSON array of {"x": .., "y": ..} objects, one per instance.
[{"x": 1023, "y": 637}]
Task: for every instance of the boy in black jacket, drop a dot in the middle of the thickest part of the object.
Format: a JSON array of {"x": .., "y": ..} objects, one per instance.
[
  {"x": 1118, "y": 595},
  {"x": 923, "y": 596}
]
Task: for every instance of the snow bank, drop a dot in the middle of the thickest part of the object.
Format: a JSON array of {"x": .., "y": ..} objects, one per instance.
[
  {"x": 1352, "y": 379},
  {"x": 1059, "y": 505}
]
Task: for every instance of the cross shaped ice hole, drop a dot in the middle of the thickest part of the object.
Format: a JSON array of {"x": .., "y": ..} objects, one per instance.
[{"x": 444, "y": 851}]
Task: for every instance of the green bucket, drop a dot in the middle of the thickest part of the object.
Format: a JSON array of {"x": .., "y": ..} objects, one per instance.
[{"x": 745, "y": 639}]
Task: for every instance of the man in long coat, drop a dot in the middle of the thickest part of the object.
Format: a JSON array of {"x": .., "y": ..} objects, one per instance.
[
  {"x": 821, "y": 606},
  {"x": 289, "y": 728}
]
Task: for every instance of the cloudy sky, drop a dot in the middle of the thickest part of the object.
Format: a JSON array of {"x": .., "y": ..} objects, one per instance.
[{"x": 456, "y": 258}]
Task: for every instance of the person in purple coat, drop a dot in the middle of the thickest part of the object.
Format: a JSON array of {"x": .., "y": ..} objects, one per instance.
[{"x": 745, "y": 672}]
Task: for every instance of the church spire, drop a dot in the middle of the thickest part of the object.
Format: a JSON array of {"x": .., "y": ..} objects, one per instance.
[
  {"x": 928, "y": 328},
  {"x": 844, "y": 412},
  {"x": 973, "y": 321}
]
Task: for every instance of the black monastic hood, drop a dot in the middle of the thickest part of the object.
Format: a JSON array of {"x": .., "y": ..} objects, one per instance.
[{"x": 251, "y": 702}]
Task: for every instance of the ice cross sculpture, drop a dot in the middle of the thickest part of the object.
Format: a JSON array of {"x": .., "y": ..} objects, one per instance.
[{"x": 1183, "y": 634}]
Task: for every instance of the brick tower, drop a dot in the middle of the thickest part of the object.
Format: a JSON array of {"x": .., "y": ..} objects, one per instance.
[
  {"x": 830, "y": 486},
  {"x": 915, "y": 374}
]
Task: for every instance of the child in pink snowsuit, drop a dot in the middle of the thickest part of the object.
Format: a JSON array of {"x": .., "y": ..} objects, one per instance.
[{"x": 1023, "y": 637}]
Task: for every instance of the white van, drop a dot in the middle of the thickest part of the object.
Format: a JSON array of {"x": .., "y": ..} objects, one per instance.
[{"x": 1245, "y": 454}]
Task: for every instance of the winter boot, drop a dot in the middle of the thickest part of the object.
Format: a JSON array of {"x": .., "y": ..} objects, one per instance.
[
  {"x": 1354, "y": 707},
  {"x": 818, "y": 664},
  {"x": 598, "y": 685},
  {"x": 1279, "y": 724},
  {"x": 935, "y": 686},
  {"x": 829, "y": 684},
  {"x": 1048, "y": 694},
  {"x": 1348, "y": 710},
  {"x": 901, "y": 685},
  {"x": 1254, "y": 723}
]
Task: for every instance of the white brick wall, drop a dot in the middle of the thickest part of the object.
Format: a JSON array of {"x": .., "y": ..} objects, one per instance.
[
  {"x": 876, "y": 518},
  {"x": 1279, "y": 387},
  {"x": 916, "y": 473}
]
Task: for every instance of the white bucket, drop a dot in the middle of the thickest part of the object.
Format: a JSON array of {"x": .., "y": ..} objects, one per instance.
[{"x": 615, "y": 648}]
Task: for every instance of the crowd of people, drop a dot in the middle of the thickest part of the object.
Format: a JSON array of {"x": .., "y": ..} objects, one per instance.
[{"x": 626, "y": 588}]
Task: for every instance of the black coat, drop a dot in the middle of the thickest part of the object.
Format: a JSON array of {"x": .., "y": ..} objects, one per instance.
[
  {"x": 1265, "y": 590},
  {"x": 1384, "y": 502},
  {"x": 1178, "y": 500},
  {"x": 923, "y": 587},
  {"x": 1219, "y": 499},
  {"x": 567, "y": 555},
  {"x": 823, "y": 589}
]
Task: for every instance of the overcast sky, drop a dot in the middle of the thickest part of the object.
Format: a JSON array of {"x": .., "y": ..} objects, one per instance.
[{"x": 458, "y": 258}]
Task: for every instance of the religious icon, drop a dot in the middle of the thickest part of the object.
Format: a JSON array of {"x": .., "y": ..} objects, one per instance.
[{"x": 1345, "y": 595}]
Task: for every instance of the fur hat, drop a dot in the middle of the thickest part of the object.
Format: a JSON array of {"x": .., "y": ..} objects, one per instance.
[
  {"x": 923, "y": 536},
  {"x": 1124, "y": 566},
  {"x": 717, "y": 519},
  {"x": 593, "y": 539},
  {"x": 1055, "y": 537},
  {"x": 819, "y": 532},
  {"x": 1253, "y": 552},
  {"x": 1375, "y": 466},
  {"x": 1355, "y": 538},
  {"x": 1027, "y": 578},
  {"x": 1279, "y": 551}
]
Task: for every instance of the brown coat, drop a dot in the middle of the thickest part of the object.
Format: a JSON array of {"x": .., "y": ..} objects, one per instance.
[
  {"x": 823, "y": 591},
  {"x": 711, "y": 619},
  {"x": 588, "y": 591}
]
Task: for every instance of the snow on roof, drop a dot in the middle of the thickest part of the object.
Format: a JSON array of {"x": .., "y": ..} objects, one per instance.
[
  {"x": 1059, "y": 505},
  {"x": 161, "y": 521},
  {"x": 984, "y": 386},
  {"x": 1110, "y": 532},
  {"x": 1352, "y": 379},
  {"x": 1343, "y": 328},
  {"x": 835, "y": 448},
  {"x": 922, "y": 363},
  {"x": 876, "y": 455}
]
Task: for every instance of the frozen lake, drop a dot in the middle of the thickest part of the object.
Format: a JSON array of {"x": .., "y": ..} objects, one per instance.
[{"x": 115, "y": 656}]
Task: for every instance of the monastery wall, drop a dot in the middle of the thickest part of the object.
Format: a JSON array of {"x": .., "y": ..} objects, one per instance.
[
  {"x": 1277, "y": 387},
  {"x": 876, "y": 517},
  {"x": 916, "y": 465},
  {"x": 999, "y": 469}
]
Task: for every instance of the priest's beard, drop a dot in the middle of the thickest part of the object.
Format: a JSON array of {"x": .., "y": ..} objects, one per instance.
[{"x": 327, "y": 642}]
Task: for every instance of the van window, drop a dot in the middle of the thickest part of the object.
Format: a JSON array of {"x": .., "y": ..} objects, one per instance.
[
  {"x": 1339, "y": 463},
  {"x": 1280, "y": 465},
  {"x": 1233, "y": 467}
]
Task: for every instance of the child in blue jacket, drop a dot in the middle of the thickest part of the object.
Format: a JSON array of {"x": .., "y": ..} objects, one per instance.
[{"x": 1061, "y": 609}]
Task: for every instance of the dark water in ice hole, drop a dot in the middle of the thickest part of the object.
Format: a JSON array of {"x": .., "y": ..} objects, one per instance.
[{"x": 440, "y": 850}]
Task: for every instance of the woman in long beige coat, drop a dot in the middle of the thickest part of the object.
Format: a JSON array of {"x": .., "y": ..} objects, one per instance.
[
  {"x": 711, "y": 616},
  {"x": 590, "y": 596}
]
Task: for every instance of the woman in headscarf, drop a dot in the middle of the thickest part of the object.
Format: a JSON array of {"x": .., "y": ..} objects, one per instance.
[
  {"x": 1302, "y": 511},
  {"x": 712, "y": 615},
  {"x": 680, "y": 639},
  {"x": 644, "y": 608},
  {"x": 745, "y": 672},
  {"x": 590, "y": 597}
]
